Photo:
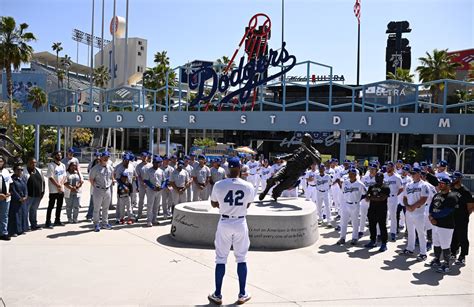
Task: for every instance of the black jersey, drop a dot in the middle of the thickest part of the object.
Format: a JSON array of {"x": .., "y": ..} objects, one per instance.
[
  {"x": 464, "y": 197},
  {"x": 442, "y": 209}
]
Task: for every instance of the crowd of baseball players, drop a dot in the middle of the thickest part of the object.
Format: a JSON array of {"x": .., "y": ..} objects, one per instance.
[{"x": 428, "y": 202}]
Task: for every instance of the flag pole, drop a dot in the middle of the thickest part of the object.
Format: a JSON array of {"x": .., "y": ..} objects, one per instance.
[{"x": 358, "y": 52}]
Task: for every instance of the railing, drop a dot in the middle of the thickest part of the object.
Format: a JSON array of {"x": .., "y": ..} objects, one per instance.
[{"x": 383, "y": 96}]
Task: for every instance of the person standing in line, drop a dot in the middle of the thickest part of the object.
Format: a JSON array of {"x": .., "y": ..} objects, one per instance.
[
  {"x": 377, "y": 196},
  {"x": 180, "y": 182},
  {"x": 69, "y": 158},
  {"x": 5, "y": 181},
  {"x": 188, "y": 167},
  {"x": 352, "y": 190},
  {"x": 367, "y": 180},
  {"x": 125, "y": 167},
  {"x": 167, "y": 192},
  {"x": 72, "y": 192},
  {"x": 232, "y": 196},
  {"x": 102, "y": 178},
  {"x": 18, "y": 209},
  {"x": 154, "y": 179},
  {"x": 36, "y": 188},
  {"x": 265, "y": 173},
  {"x": 310, "y": 191},
  {"x": 323, "y": 184},
  {"x": 406, "y": 179},
  {"x": 217, "y": 173},
  {"x": 56, "y": 175},
  {"x": 441, "y": 171},
  {"x": 124, "y": 199},
  {"x": 394, "y": 182},
  {"x": 442, "y": 217},
  {"x": 90, "y": 210},
  {"x": 463, "y": 210},
  {"x": 414, "y": 199},
  {"x": 141, "y": 174},
  {"x": 432, "y": 192},
  {"x": 201, "y": 177}
]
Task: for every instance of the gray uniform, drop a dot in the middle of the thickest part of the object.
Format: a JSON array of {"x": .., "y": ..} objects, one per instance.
[
  {"x": 131, "y": 173},
  {"x": 200, "y": 175},
  {"x": 101, "y": 196},
  {"x": 140, "y": 171},
  {"x": 217, "y": 174},
  {"x": 156, "y": 178},
  {"x": 166, "y": 194},
  {"x": 189, "y": 169},
  {"x": 180, "y": 179}
]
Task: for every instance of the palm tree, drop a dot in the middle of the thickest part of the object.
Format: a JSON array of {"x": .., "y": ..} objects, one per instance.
[
  {"x": 224, "y": 62},
  {"x": 37, "y": 97},
  {"x": 155, "y": 78},
  {"x": 60, "y": 74},
  {"x": 437, "y": 66},
  {"x": 401, "y": 75},
  {"x": 57, "y": 48},
  {"x": 14, "y": 50},
  {"x": 66, "y": 64},
  {"x": 101, "y": 76}
]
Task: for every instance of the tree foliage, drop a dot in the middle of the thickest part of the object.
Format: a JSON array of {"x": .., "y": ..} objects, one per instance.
[
  {"x": 37, "y": 97},
  {"x": 155, "y": 78},
  {"x": 401, "y": 75},
  {"x": 204, "y": 142}
]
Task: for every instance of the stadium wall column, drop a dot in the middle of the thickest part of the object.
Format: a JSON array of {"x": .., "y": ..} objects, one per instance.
[{"x": 343, "y": 145}]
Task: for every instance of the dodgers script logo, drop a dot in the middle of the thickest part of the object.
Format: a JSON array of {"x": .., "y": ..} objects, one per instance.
[{"x": 245, "y": 75}]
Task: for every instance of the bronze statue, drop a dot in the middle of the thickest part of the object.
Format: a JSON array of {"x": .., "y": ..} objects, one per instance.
[
  {"x": 296, "y": 165},
  {"x": 4, "y": 151}
]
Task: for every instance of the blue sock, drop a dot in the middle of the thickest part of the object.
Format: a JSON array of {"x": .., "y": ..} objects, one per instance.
[
  {"x": 242, "y": 272},
  {"x": 220, "y": 272}
]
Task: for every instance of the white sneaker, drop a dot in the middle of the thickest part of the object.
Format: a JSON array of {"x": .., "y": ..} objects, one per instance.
[
  {"x": 243, "y": 298},
  {"x": 215, "y": 299}
]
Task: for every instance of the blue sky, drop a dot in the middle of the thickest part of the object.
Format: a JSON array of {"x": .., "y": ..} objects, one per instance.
[{"x": 324, "y": 31}]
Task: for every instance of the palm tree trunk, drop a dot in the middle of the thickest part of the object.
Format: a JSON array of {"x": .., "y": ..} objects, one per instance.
[{"x": 10, "y": 95}]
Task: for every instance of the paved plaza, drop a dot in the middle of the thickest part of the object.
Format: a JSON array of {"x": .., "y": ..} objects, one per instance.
[{"x": 131, "y": 265}]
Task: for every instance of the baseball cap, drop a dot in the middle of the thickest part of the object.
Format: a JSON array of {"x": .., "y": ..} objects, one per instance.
[
  {"x": 70, "y": 150},
  {"x": 201, "y": 157},
  {"x": 234, "y": 162},
  {"x": 105, "y": 153},
  {"x": 423, "y": 163},
  {"x": 126, "y": 157},
  {"x": 445, "y": 180},
  {"x": 352, "y": 170},
  {"x": 145, "y": 154},
  {"x": 157, "y": 159},
  {"x": 399, "y": 161},
  {"x": 415, "y": 170},
  {"x": 347, "y": 161},
  {"x": 383, "y": 169},
  {"x": 443, "y": 163},
  {"x": 218, "y": 160},
  {"x": 97, "y": 153},
  {"x": 321, "y": 165},
  {"x": 372, "y": 165},
  {"x": 165, "y": 157},
  {"x": 457, "y": 175},
  {"x": 192, "y": 155},
  {"x": 390, "y": 163},
  {"x": 180, "y": 162},
  {"x": 124, "y": 174},
  {"x": 186, "y": 158},
  {"x": 334, "y": 160},
  {"x": 173, "y": 157},
  {"x": 406, "y": 167}
]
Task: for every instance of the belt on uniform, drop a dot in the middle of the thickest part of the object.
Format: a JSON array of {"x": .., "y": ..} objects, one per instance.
[
  {"x": 232, "y": 216},
  {"x": 321, "y": 191},
  {"x": 312, "y": 185},
  {"x": 101, "y": 188},
  {"x": 393, "y": 195},
  {"x": 350, "y": 203}
]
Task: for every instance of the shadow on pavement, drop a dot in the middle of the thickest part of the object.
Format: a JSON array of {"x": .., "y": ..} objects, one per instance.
[
  {"x": 362, "y": 252},
  {"x": 332, "y": 234},
  {"x": 68, "y": 234},
  {"x": 276, "y": 205},
  {"x": 432, "y": 278},
  {"x": 168, "y": 240},
  {"x": 399, "y": 262},
  {"x": 324, "y": 249}
]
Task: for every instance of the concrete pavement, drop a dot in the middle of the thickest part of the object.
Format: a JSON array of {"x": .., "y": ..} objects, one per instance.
[{"x": 131, "y": 265}]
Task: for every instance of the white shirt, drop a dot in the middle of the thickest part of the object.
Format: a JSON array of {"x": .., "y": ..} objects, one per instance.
[
  {"x": 253, "y": 167},
  {"x": 141, "y": 170},
  {"x": 217, "y": 174},
  {"x": 310, "y": 177},
  {"x": 414, "y": 191},
  {"x": 201, "y": 173},
  {"x": 8, "y": 179},
  {"x": 233, "y": 195},
  {"x": 276, "y": 167},
  {"x": 443, "y": 174},
  {"x": 323, "y": 182},
  {"x": 180, "y": 178},
  {"x": 266, "y": 172},
  {"x": 352, "y": 191},
  {"x": 58, "y": 172},
  {"x": 129, "y": 171},
  {"x": 368, "y": 181},
  {"x": 394, "y": 182},
  {"x": 156, "y": 177}
]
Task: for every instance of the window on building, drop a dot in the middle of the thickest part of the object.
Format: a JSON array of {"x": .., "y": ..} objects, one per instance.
[
  {"x": 139, "y": 43},
  {"x": 142, "y": 48},
  {"x": 139, "y": 53}
]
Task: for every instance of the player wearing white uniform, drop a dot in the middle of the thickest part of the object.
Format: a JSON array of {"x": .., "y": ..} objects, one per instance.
[
  {"x": 127, "y": 168},
  {"x": 323, "y": 183},
  {"x": 217, "y": 173},
  {"x": 188, "y": 167},
  {"x": 428, "y": 226},
  {"x": 154, "y": 179},
  {"x": 394, "y": 182},
  {"x": 180, "y": 180},
  {"x": 415, "y": 196},
  {"x": 310, "y": 191},
  {"x": 253, "y": 166},
  {"x": 352, "y": 191},
  {"x": 265, "y": 173},
  {"x": 232, "y": 196},
  {"x": 141, "y": 171},
  {"x": 441, "y": 170},
  {"x": 166, "y": 193},
  {"x": 401, "y": 210},
  {"x": 367, "y": 180},
  {"x": 336, "y": 186},
  {"x": 201, "y": 175}
]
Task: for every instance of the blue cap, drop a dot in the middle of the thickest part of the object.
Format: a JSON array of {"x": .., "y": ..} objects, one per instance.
[
  {"x": 70, "y": 150},
  {"x": 145, "y": 154},
  {"x": 97, "y": 153},
  {"x": 186, "y": 158},
  {"x": 406, "y": 167},
  {"x": 423, "y": 163},
  {"x": 443, "y": 163},
  {"x": 201, "y": 157},
  {"x": 180, "y": 162},
  {"x": 390, "y": 163},
  {"x": 415, "y": 170},
  {"x": 457, "y": 175},
  {"x": 352, "y": 170},
  {"x": 445, "y": 180},
  {"x": 234, "y": 162},
  {"x": 321, "y": 165},
  {"x": 383, "y": 169},
  {"x": 127, "y": 157},
  {"x": 399, "y": 161},
  {"x": 334, "y": 160},
  {"x": 429, "y": 166},
  {"x": 174, "y": 157},
  {"x": 372, "y": 165},
  {"x": 165, "y": 157},
  {"x": 157, "y": 159},
  {"x": 192, "y": 155},
  {"x": 124, "y": 174},
  {"x": 347, "y": 161},
  {"x": 105, "y": 154}
]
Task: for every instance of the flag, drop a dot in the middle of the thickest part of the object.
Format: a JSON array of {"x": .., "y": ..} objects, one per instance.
[{"x": 357, "y": 10}]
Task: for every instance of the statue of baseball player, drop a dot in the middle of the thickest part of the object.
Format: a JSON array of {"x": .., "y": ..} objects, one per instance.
[{"x": 297, "y": 163}]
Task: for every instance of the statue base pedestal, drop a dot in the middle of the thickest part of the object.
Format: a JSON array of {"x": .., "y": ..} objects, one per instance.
[{"x": 286, "y": 224}]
